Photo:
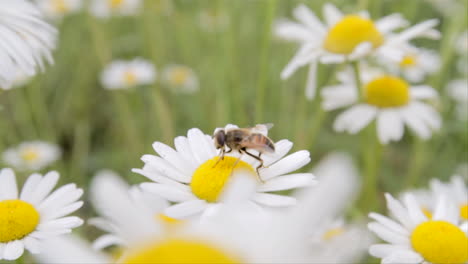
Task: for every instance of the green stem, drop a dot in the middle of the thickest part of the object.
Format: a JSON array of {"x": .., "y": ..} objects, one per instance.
[
  {"x": 264, "y": 63},
  {"x": 418, "y": 158},
  {"x": 127, "y": 122},
  {"x": 357, "y": 78}
]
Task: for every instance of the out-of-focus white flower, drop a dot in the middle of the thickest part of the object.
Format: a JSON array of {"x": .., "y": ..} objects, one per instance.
[
  {"x": 221, "y": 238},
  {"x": 122, "y": 74},
  {"x": 36, "y": 214},
  {"x": 389, "y": 100},
  {"x": 213, "y": 20},
  {"x": 56, "y": 9},
  {"x": 458, "y": 91},
  {"x": 415, "y": 65},
  {"x": 106, "y": 8},
  {"x": 461, "y": 45},
  {"x": 345, "y": 37},
  {"x": 19, "y": 80},
  {"x": 150, "y": 204},
  {"x": 26, "y": 43},
  {"x": 180, "y": 78},
  {"x": 414, "y": 238},
  {"x": 456, "y": 190},
  {"x": 193, "y": 176},
  {"x": 32, "y": 155}
]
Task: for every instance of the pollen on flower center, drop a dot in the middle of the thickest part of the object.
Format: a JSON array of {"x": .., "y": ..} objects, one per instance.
[
  {"x": 179, "y": 76},
  {"x": 209, "y": 179},
  {"x": 426, "y": 212},
  {"x": 17, "y": 219},
  {"x": 60, "y": 6},
  {"x": 130, "y": 77},
  {"x": 464, "y": 211},
  {"x": 440, "y": 242},
  {"x": 115, "y": 3},
  {"x": 351, "y": 31},
  {"x": 30, "y": 154},
  {"x": 387, "y": 91},
  {"x": 179, "y": 251},
  {"x": 332, "y": 233}
]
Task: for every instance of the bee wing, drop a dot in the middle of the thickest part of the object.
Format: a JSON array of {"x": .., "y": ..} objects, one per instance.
[
  {"x": 263, "y": 146},
  {"x": 262, "y": 128}
]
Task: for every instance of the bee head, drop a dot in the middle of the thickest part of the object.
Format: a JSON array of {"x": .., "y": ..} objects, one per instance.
[{"x": 219, "y": 138}]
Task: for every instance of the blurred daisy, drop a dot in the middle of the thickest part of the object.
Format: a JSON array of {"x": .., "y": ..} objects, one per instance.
[
  {"x": 461, "y": 45},
  {"x": 36, "y": 214},
  {"x": 193, "y": 176},
  {"x": 458, "y": 91},
  {"x": 391, "y": 101},
  {"x": 414, "y": 238},
  {"x": 121, "y": 74},
  {"x": 27, "y": 40},
  {"x": 150, "y": 204},
  {"x": 345, "y": 37},
  {"x": 180, "y": 78},
  {"x": 221, "y": 238},
  {"x": 56, "y": 9},
  {"x": 106, "y": 8},
  {"x": 415, "y": 65},
  {"x": 32, "y": 155},
  {"x": 19, "y": 80},
  {"x": 456, "y": 190},
  {"x": 213, "y": 20}
]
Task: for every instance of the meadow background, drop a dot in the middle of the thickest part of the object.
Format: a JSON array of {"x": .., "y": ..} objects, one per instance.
[{"x": 238, "y": 67}]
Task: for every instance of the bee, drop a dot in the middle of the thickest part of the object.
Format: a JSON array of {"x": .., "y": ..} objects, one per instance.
[{"x": 242, "y": 139}]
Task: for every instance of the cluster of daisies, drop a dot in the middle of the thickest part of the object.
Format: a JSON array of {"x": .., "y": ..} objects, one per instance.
[
  {"x": 195, "y": 207},
  {"x": 382, "y": 72}
]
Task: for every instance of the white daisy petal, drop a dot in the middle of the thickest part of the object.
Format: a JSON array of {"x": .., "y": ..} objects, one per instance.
[
  {"x": 32, "y": 244},
  {"x": 107, "y": 240},
  {"x": 61, "y": 223},
  {"x": 282, "y": 148},
  {"x": 13, "y": 250},
  {"x": 311, "y": 81},
  {"x": 8, "y": 188},
  {"x": 308, "y": 18},
  {"x": 332, "y": 14},
  {"x": 288, "y": 164},
  {"x": 414, "y": 209},
  {"x": 274, "y": 200},
  {"x": 387, "y": 235},
  {"x": 391, "y": 22},
  {"x": 29, "y": 187},
  {"x": 384, "y": 250},
  {"x": 291, "y": 181},
  {"x": 399, "y": 212},
  {"x": 186, "y": 208},
  {"x": 355, "y": 118},
  {"x": 196, "y": 140},
  {"x": 171, "y": 156},
  {"x": 44, "y": 187},
  {"x": 414, "y": 122},
  {"x": 165, "y": 168},
  {"x": 65, "y": 195},
  {"x": 401, "y": 257},
  {"x": 170, "y": 193},
  {"x": 390, "y": 224},
  {"x": 49, "y": 215},
  {"x": 389, "y": 126},
  {"x": 423, "y": 92}
]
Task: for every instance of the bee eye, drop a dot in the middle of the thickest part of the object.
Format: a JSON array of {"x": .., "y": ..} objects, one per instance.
[{"x": 220, "y": 139}]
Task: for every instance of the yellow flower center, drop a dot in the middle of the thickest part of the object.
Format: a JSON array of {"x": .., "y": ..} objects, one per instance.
[
  {"x": 130, "y": 78},
  {"x": 17, "y": 219},
  {"x": 332, "y": 233},
  {"x": 387, "y": 91},
  {"x": 115, "y": 3},
  {"x": 426, "y": 212},
  {"x": 179, "y": 251},
  {"x": 179, "y": 76},
  {"x": 59, "y": 6},
  {"x": 351, "y": 31},
  {"x": 209, "y": 179},
  {"x": 408, "y": 61},
  {"x": 464, "y": 211},
  {"x": 440, "y": 242},
  {"x": 30, "y": 154}
]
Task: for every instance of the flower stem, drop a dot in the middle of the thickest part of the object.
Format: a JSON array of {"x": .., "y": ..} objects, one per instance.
[
  {"x": 417, "y": 163},
  {"x": 357, "y": 78}
]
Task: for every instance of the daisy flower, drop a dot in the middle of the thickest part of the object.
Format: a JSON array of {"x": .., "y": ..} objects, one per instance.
[
  {"x": 106, "y": 8},
  {"x": 121, "y": 74},
  {"x": 150, "y": 204},
  {"x": 193, "y": 176},
  {"x": 32, "y": 155},
  {"x": 56, "y": 9},
  {"x": 416, "y": 64},
  {"x": 389, "y": 100},
  {"x": 180, "y": 78},
  {"x": 221, "y": 238},
  {"x": 456, "y": 190},
  {"x": 414, "y": 238},
  {"x": 345, "y": 37},
  {"x": 458, "y": 91},
  {"x": 27, "y": 40},
  {"x": 35, "y": 214},
  {"x": 213, "y": 20}
]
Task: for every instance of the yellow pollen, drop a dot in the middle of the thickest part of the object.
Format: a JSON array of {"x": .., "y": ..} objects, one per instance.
[
  {"x": 332, "y": 233},
  {"x": 30, "y": 154},
  {"x": 115, "y": 3},
  {"x": 426, "y": 212},
  {"x": 168, "y": 220},
  {"x": 17, "y": 220},
  {"x": 179, "y": 251},
  {"x": 130, "y": 78},
  {"x": 387, "y": 91},
  {"x": 210, "y": 178},
  {"x": 440, "y": 242},
  {"x": 59, "y": 6},
  {"x": 408, "y": 61},
  {"x": 179, "y": 76},
  {"x": 464, "y": 211},
  {"x": 351, "y": 31}
]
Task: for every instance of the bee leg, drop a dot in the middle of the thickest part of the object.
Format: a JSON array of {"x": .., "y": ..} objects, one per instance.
[
  {"x": 257, "y": 158},
  {"x": 221, "y": 157}
]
